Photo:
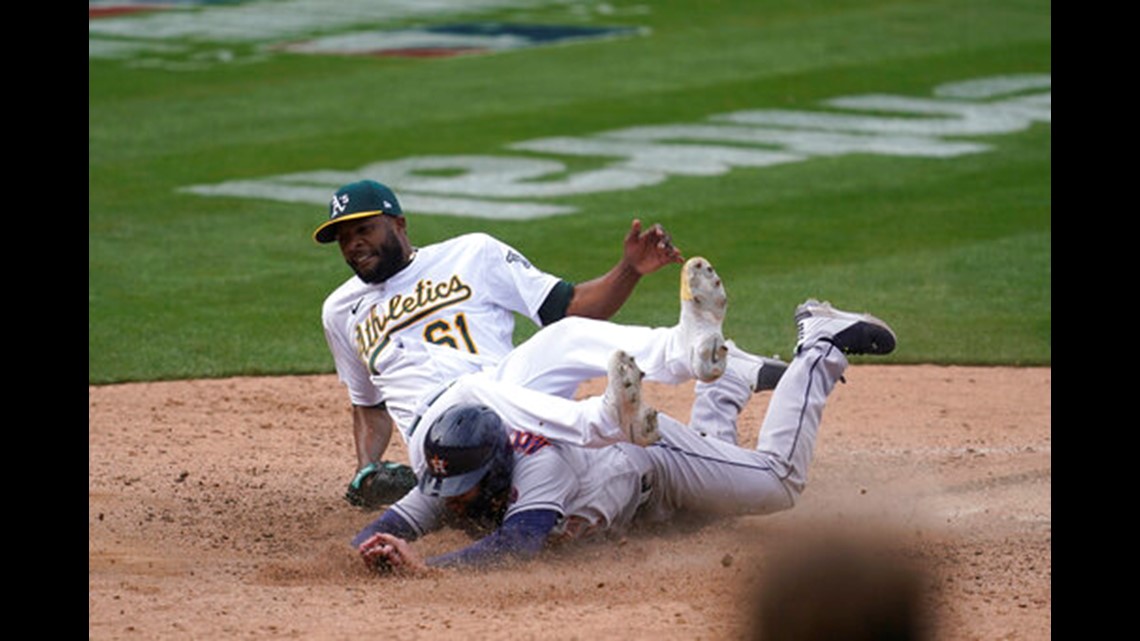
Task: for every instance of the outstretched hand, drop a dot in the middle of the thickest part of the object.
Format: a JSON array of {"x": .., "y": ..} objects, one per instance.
[
  {"x": 649, "y": 250},
  {"x": 384, "y": 553}
]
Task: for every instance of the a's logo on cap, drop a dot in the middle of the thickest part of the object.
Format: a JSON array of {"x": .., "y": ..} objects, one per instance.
[
  {"x": 438, "y": 466},
  {"x": 339, "y": 203},
  {"x": 387, "y": 205}
]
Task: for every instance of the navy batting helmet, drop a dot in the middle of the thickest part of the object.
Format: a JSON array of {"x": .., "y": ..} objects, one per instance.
[{"x": 464, "y": 445}]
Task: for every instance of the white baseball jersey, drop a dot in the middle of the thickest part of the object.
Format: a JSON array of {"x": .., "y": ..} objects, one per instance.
[
  {"x": 531, "y": 389},
  {"x": 450, "y": 311}
]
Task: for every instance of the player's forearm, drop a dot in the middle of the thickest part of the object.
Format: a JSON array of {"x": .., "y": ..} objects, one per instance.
[
  {"x": 372, "y": 431},
  {"x": 520, "y": 537},
  {"x": 602, "y": 297}
]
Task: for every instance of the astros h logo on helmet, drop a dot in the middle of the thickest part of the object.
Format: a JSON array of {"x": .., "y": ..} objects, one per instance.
[{"x": 439, "y": 466}]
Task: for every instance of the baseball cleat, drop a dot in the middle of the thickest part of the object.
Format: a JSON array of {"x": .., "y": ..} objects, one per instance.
[
  {"x": 623, "y": 399},
  {"x": 761, "y": 372},
  {"x": 850, "y": 332},
  {"x": 703, "y": 306}
]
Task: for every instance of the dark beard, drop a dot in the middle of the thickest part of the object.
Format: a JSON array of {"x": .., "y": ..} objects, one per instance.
[
  {"x": 483, "y": 515},
  {"x": 392, "y": 260}
]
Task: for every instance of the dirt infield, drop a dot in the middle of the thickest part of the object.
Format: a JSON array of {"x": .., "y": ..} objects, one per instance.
[{"x": 215, "y": 511}]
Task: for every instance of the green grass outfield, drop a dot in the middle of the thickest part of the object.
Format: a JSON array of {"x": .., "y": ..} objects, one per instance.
[{"x": 954, "y": 252}]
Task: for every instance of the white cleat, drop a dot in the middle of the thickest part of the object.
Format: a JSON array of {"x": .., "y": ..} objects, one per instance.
[
  {"x": 623, "y": 399},
  {"x": 703, "y": 306},
  {"x": 853, "y": 333}
]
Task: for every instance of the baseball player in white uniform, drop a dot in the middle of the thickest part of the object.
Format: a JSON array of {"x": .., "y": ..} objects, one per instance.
[
  {"x": 528, "y": 491},
  {"x": 533, "y": 385},
  {"x": 460, "y": 294}
]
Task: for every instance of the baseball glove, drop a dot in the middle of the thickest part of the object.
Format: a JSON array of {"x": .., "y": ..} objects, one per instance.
[{"x": 379, "y": 484}]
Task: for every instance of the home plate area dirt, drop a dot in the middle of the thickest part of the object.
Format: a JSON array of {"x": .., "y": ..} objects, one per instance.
[{"x": 215, "y": 510}]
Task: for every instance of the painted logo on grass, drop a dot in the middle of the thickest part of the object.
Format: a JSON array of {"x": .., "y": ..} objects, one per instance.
[
  {"x": 454, "y": 39},
  {"x": 196, "y": 35},
  {"x": 519, "y": 187},
  {"x": 99, "y": 9}
]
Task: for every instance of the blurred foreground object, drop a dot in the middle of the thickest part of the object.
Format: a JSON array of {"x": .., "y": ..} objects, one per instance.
[{"x": 836, "y": 587}]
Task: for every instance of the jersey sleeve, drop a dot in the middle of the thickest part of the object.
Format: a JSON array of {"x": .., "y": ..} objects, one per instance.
[
  {"x": 411, "y": 517},
  {"x": 422, "y": 513},
  {"x": 520, "y": 286},
  {"x": 522, "y": 536},
  {"x": 349, "y": 368}
]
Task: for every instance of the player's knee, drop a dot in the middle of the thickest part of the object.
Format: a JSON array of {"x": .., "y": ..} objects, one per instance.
[
  {"x": 464, "y": 389},
  {"x": 793, "y": 497},
  {"x": 769, "y": 496},
  {"x": 793, "y": 491},
  {"x": 785, "y": 498}
]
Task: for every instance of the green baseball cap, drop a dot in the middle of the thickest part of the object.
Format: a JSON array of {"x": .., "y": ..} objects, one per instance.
[{"x": 357, "y": 200}]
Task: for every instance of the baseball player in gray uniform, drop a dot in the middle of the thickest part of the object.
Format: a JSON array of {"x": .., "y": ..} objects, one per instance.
[
  {"x": 461, "y": 294},
  {"x": 521, "y": 491}
]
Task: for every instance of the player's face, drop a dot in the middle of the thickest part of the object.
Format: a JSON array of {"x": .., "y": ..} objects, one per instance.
[
  {"x": 459, "y": 504},
  {"x": 478, "y": 511},
  {"x": 375, "y": 247}
]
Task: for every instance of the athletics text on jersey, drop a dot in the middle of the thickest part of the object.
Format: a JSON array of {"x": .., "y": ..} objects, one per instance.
[{"x": 453, "y": 306}]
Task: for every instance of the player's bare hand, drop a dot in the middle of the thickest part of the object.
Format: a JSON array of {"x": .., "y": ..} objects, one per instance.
[
  {"x": 649, "y": 250},
  {"x": 374, "y": 551},
  {"x": 385, "y": 552}
]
